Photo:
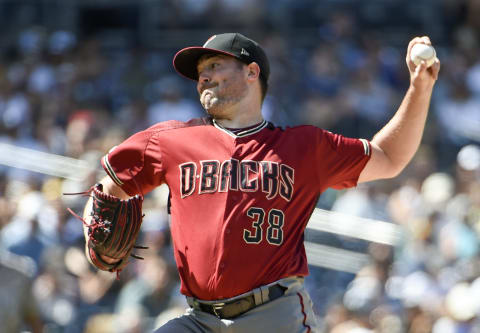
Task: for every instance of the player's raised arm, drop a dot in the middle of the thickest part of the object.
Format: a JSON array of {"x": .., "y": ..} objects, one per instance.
[{"x": 395, "y": 144}]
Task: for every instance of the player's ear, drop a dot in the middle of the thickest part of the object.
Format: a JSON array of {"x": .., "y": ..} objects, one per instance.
[{"x": 253, "y": 71}]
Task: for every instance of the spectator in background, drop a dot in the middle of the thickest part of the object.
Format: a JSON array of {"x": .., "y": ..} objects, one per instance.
[
  {"x": 459, "y": 118},
  {"x": 18, "y": 307},
  {"x": 149, "y": 291},
  {"x": 171, "y": 103}
]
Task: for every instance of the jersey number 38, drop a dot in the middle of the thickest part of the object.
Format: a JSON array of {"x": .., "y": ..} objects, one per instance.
[{"x": 274, "y": 233}]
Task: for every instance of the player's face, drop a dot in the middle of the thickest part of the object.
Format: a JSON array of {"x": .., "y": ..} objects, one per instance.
[{"x": 221, "y": 83}]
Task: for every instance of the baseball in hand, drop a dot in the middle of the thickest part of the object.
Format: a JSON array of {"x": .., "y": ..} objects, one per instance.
[{"x": 421, "y": 52}]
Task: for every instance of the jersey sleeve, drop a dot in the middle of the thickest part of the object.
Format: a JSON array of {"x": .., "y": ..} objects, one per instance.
[
  {"x": 340, "y": 160},
  {"x": 136, "y": 165}
]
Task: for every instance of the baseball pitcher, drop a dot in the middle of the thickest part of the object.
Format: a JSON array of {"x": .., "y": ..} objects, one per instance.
[{"x": 242, "y": 190}]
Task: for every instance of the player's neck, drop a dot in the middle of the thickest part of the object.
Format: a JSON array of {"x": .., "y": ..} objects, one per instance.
[
  {"x": 244, "y": 114},
  {"x": 240, "y": 121}
]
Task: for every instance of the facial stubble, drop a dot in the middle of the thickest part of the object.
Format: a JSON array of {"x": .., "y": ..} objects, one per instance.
[{"x": 215, "y": 100}]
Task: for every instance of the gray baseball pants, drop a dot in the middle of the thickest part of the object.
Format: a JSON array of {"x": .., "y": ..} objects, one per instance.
[{"x": 291, "y": 313}]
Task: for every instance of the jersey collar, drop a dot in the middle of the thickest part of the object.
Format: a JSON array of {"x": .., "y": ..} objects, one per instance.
[{"x": 241, "y": 134}]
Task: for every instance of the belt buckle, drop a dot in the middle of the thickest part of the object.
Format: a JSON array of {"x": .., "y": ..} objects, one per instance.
[{"x": 216, "y": 307}]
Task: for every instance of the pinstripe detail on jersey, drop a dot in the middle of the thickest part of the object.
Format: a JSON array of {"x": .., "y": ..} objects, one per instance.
[
  {"x": 110, "y": 171},
  {"x": 366, "y": 147},
  {"x": 241, "y": 134}
]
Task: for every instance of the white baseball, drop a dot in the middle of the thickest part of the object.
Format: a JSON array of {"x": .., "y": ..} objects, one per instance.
[{"x": 421, "y": 52}]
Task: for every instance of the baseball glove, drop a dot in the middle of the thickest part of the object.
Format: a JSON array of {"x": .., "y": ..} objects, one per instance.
[{"x": 113, "y": 229}]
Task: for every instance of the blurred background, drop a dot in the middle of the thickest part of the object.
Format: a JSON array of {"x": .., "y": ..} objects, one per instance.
[{"x": 79, "y": 76}]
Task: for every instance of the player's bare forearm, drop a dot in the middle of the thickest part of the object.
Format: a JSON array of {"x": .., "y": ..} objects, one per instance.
[
  {"x": 401, "y": 137},
  {"x": 396, "y": 143}
]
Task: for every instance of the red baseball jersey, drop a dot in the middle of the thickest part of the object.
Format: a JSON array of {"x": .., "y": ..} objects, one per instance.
[{"x": 239, "y": 202}]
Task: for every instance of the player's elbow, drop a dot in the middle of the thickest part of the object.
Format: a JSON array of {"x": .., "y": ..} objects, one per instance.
[
  {"x": 383, "y": 172},
  {"x": 394, "y": 169},
  {"x": 390, "y": 168},
  {"x": 394, "y": 172},
  {"x": 393, "y": 164},
  {"x": 388, "y": 173}
]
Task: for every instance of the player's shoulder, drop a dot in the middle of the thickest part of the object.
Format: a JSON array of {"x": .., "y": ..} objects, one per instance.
[
  {"x": 172, "y": 125},
  {"x": 298, "y": 129},
  {"x": 162, "y": 130},
  {"x": 306, "y": 135}
]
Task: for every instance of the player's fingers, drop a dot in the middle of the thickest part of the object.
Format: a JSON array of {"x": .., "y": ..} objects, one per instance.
[
  {"x": 419, "y": 40},
  {"x": 408, "y": 60},
  {"x": 426, "y": 40},
  {"x": 411, "y": 66},
  {"x": 413, "y": 42},
  {"x": 421, "y": 67},
  {"x": 435, "y": 69}
]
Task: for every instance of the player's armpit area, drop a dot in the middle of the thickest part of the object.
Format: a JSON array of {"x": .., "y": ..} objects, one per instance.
[{"x": 380, "y": 166}]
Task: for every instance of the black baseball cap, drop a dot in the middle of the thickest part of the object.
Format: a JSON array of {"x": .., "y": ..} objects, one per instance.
[{"x": 231, "y": 44}]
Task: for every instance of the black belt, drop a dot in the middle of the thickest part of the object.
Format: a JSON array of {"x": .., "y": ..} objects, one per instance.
[{"x": 228, "y": 310}]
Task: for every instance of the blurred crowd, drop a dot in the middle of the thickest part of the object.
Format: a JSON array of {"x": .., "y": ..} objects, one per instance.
[{"x": 69, "y": 94}]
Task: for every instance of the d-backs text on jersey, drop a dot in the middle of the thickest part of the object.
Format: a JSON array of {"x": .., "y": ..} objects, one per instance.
[{"x": 271, "y": 178}]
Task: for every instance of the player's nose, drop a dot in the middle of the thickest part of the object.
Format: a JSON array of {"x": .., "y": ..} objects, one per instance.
[
  {"x": 203, "y": 80},
  {"x": 204, "y": 77}
]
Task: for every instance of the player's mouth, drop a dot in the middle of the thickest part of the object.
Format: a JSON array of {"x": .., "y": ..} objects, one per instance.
[
  {"x": 208, "y": 98},
  {"x": 207, "y": 86}
]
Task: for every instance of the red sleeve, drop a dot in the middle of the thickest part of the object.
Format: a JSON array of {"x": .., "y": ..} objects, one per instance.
[
  {"x": 135, "y": 165},
  {"x": 340, "y": 160}
]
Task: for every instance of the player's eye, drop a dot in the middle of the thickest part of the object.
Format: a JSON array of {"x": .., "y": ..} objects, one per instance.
[{"x": 210, "y": 66}]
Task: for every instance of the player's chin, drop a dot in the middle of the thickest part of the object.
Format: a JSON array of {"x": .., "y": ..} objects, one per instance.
[{"x": 213, "y": 111}]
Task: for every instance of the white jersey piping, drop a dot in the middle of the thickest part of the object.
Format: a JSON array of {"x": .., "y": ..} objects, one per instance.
[{"x": 241, "y": 134}]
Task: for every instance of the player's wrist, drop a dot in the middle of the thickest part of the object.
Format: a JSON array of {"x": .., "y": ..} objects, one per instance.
[{"x": 421, "y": 84}]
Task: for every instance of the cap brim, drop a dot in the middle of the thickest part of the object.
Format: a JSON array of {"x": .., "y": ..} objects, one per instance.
[{"x": 185, "y": 61}]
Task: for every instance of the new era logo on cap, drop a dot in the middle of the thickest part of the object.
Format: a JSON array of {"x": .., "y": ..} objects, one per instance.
[
  {"x": 244, "y": 52},
  {"x": 232, "y": 44}
]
